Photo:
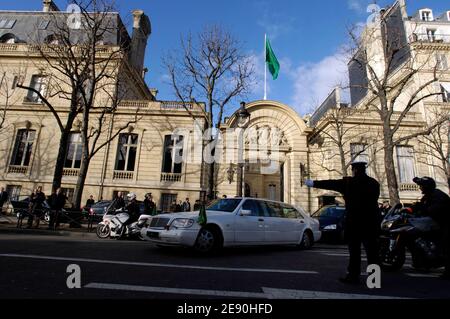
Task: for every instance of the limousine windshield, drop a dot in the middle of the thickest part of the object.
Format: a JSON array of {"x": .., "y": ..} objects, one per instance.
[{"x": 225, "y": 205}]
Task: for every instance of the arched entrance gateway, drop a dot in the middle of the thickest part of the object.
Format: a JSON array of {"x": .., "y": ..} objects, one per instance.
[{"x": 273, "y": 149}]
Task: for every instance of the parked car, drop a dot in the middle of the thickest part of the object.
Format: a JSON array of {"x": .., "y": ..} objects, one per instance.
[
  {"x": 100, "y": 208},
  {"x": 235, "y": 222},
  {"x": 331, "y": 220}
]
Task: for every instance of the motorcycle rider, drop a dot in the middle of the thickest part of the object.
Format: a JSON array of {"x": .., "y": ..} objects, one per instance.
[
  {"x": 133, "y": 212},
  {"x": 362, "y": 222},
  {"x": 435, "y": 204}
]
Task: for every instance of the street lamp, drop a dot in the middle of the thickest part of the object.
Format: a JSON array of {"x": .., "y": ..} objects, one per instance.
[{"x": 243, "y": 121}]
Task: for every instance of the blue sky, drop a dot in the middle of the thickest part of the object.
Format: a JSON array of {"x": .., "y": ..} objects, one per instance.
[{"x": 307, "y": 37}]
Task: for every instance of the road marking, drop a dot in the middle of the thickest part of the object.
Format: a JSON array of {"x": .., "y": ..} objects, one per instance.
[
  {"x": 115, "y": 262},
  {"x": 273, "y": 293},
  {"x": 268, "y": 293},
  {"x": 177, "y": 291},
  {"x": 418, "y": 275}
]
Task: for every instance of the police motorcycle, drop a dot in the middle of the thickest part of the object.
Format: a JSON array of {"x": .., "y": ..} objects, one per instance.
[
  {"x": 402, "y": 229},
  {"x": 112, "y": 225}
]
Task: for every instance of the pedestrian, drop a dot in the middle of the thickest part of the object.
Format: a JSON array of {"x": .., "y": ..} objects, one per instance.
[
  {"x": 149, "y": 204},
  {"x": 186, "y": 205},
  {"x": 3, "y": 199},
  {"x": 36, "y": 201},
  {"x": 385, "y": 208},
  {"x": 197, "y": 205},
  {"x": 362, "y": 221},
  {"x": 435, "y": 204},
  {"x": 57, "y": 202},
  {"x": 90, "y": 202},
  {"x": 120, "y": 201},
  {"x": 179, "y": 207},
  {"x": 224, "y": 197}
]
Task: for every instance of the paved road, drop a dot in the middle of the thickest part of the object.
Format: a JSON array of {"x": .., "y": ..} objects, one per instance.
[{"x": 35, "y": 267}]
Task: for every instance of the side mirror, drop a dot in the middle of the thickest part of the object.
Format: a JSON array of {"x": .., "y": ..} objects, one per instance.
[{"x": 245, "y": 212}]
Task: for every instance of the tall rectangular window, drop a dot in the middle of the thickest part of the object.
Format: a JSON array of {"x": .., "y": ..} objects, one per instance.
[
  {"x": 38, "y": 82},
  {"x": 74, "y": 151},
  {"x": 13, "y": 191},
  {"x": 359, "y": 152},
  {"x": 127, "y": 152},
  {"x": 173, "y": 151},
  {"x": 167, "y": 200},
  {"x": 23, "y": 148},
  {"x": 441, "y": 61},
  {"x": 445, "y": 89},
  {"x": 405, "y": 160},
  {"x": 431, "y": 34}
]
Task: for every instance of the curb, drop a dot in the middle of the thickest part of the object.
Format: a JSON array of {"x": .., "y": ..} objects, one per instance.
[{"x": 43, "y": 232}]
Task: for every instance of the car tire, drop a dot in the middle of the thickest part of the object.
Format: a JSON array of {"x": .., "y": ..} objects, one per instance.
[
  {"x": 208, "y": 241},
  {"x": 307, "y": 240}
]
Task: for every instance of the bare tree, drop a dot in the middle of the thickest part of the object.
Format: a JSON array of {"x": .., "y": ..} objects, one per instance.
[
  {"x": 435, "y": 147},
  {"x": 87, "y": 72},
  {"x": 210, "y": 67},
  {"x": 8, "y": 83},
  {"x": 392, "y": 67},
  {"x": 341, "y": 131}
]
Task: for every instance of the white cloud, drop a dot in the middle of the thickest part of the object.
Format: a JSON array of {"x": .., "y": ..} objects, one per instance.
[
  {"x": 355, "y": 5},
  {"x": 314, "y": 81}
]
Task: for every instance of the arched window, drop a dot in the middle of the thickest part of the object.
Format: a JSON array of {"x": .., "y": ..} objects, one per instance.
[
  {"x": 8, "y": 38},
  {"x": 51, "y": 39}
]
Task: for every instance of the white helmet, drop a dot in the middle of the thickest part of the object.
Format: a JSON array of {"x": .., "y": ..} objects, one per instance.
[{"x": 131, "y": 196}]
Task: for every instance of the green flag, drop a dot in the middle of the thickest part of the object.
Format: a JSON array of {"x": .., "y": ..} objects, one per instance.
[
  {"x": 272, "y": 62},
  {"x": 202, "y": 219}
]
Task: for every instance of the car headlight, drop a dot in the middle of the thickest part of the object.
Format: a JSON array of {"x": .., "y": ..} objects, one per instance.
[
  {"x": 330, "y": 227},
  {"x": 182, "y": 223}
]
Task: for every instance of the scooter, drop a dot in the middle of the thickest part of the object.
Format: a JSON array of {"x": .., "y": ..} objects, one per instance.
[
  {"x": 112, "y": 224},
  {"x": 402, "y": 230}
]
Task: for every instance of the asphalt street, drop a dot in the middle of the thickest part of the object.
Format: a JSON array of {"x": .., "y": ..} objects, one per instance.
[{"x": 35, "y": 266}]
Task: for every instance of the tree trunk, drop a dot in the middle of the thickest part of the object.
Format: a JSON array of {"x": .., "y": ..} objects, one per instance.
[
  {"x": 61, "y": 158},
  {"x": 343, "y": 164},
  {"x": 391, "y": 176},
  {"x": 78, "y": 194}
]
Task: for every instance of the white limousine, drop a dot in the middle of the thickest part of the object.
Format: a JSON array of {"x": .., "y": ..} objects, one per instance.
[{"x": 235, "y": 222}]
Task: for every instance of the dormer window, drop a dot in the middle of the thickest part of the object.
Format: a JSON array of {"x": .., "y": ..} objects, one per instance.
[
  {"x": 7, "y": 23},
  {"x": 426, "y": 15}
]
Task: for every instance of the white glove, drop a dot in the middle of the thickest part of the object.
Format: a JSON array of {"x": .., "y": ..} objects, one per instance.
[{"x": 309, "y": 183}]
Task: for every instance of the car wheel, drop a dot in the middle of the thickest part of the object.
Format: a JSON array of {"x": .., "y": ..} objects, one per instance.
[
  {"x": 307, "y": 240},
  {"x": 208, "y": 241}
]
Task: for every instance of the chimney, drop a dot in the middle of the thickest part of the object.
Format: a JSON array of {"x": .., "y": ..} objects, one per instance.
[
  {"x": 141, "y": 31},
  {"x": 49, "y": 5}
]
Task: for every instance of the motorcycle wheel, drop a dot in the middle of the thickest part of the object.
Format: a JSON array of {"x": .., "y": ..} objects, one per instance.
[
  {"x": 103, "y": 231},
  {"x": 392, "y": 261}
]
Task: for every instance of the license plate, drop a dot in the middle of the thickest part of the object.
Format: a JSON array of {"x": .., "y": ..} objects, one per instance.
[{"x": 152, "y": 234}]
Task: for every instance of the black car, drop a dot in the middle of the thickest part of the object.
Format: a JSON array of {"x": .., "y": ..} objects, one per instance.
[
  {"x": 99, "y": 209},
  {"x": 331, "y": 220}
]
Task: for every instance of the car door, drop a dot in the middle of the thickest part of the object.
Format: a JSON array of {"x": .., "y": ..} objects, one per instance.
[
  {"x": 282, "y": 224},
  {"x": 249, "y": 229}
]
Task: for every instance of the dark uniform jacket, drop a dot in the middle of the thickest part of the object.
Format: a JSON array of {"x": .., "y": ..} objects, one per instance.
[
  {"x": 436, "y": 205},
  {"x": 361, "y": 195},
  {"x": 133, "y": 210},
  {"x": 149, "y": 205}
]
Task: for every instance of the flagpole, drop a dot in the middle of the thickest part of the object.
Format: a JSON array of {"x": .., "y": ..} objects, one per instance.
[{"x": 265, "y": 66}]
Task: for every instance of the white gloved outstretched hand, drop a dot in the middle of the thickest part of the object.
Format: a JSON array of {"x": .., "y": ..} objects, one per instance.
[{"x": 309, "y": 183}]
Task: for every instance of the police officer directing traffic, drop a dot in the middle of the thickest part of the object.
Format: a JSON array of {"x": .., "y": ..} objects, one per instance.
[{"x": 362, "y": 221}]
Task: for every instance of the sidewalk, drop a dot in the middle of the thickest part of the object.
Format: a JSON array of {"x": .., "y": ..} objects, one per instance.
[{"x": 8, "y": 226}]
